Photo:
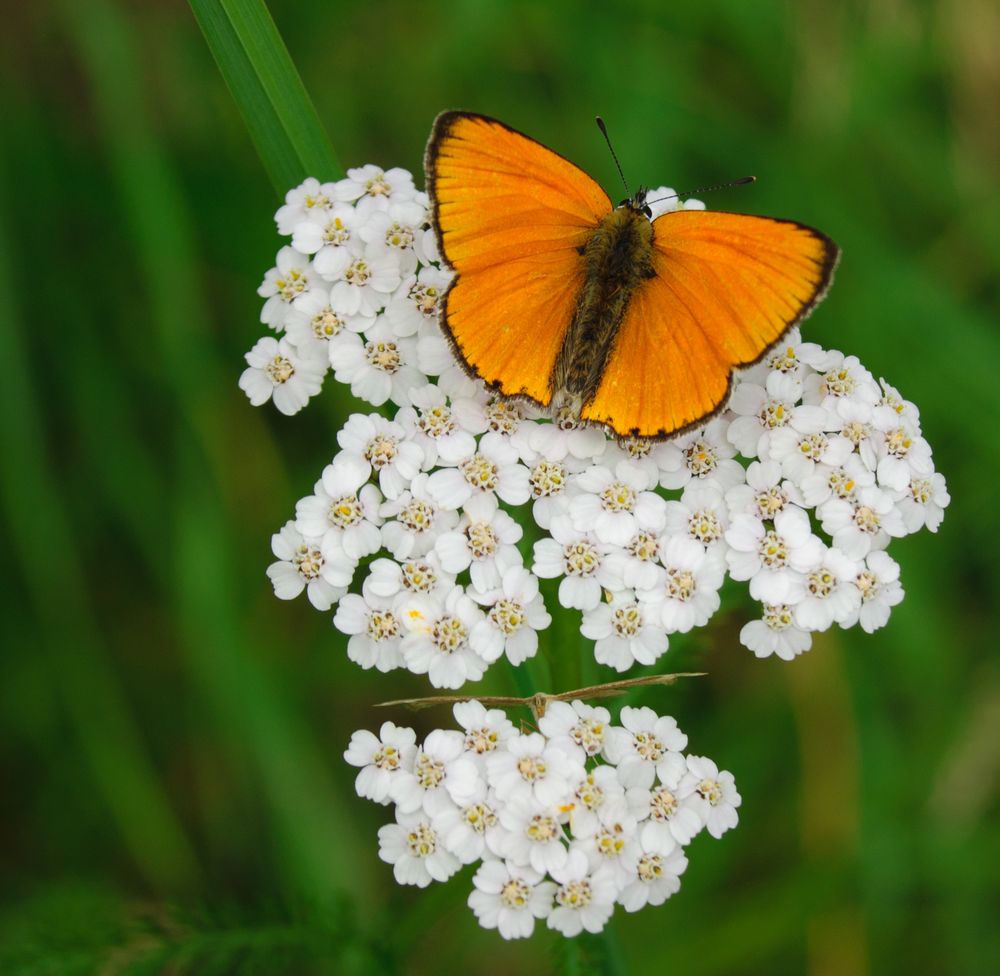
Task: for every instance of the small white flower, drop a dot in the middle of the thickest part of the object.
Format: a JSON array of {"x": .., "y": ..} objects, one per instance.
[
  {"x": 378, "y": 368},
  {"x": 641, "y": 744},
  {"x": 432, "y": 423},
  {"x": 855, "y": 424},
  {"x": 331, "y": 236},
  {"x": 426, "y": 244},
  {"x": 502, "y": 415},
  {"x": 663, "y": 199},
  {"x": 373, "y": 629},
  {"x": 413, "y": 848},
  {"x": 599, "y": 787},
  {"x": 686, "y": 591},
  {"x": 615, "y": 505},
  {"x": 516, "y": 613},
  {"x": 277, "y": 371},
  {"x": 388, "y": 579},
  {"x": 435, "y": 358},
  {"x": 381, "y": 758},
  {"x": 316, "y": 328},
  {"x": 892, "y": 409},
  {"x": 830, "y": 594},
  {"x": 309, "y": 198},
  {"x": 417, "y": 521},
  {"x": 864, "y": 523},
  {"x": 585, "y": 899},
  {"x": 483, "y": 542},
  {"x": 472, "y": 829},
  {"x": 839, "y": 377},
  {"x": 362, "y": 284},
  {"x": 579, "y": 558},
  {"x": 878, "y": 583},
  {"x": 776, "y": 633},
  {"x": 380, "y": 187},
  {"x": 534, "y": 837},
  {"x": 841, "y": 482},
  {"x": 645, "y": 458},
  {"x": 794, "y": 357},
  {"x": 715, "y": 792},
  {"x": 441, "y": 774},
  {"x": 762, "y": 410},
  {"x": 566, "y": 436},
  {"x": 614, "y": 845},
  {"x": 394, "y": 233},
  {"x": 343, "y": 511},
  {"x": 302, "y": 565},
  {"x": 669, "y": 816},
  {"x": 773, "y": 560},
  {"x": 440, "y": 639},
  {"x": 763, "y": 495},
  {"x": 902, "y": 456},
  {"x": 548, "y": 479},
  {"x": 486, "y": 730},
  {"x": 924, "y": 502},
  {"x": 381, "y": 446},
  {"x": 625, "y": 632},
  {"x": 634, "y": 566},
  {"x": 576, "y": 725},
  {"x": 417, "y": 301},
  {"x": 492, "y": 468},
  {"x": 509, "y": 898},
  {"x": 285, "y": 286},
  {"x": 701, "y": 514},
  {"x": 800, "y": 453},
  {"x": 655, "y": 878},
  {"x": 705, "y": 454},
  {"x": 532, "y": 767}
]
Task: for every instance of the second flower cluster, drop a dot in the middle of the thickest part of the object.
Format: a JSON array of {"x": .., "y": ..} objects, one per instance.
[{"x": 564, "y": 822}]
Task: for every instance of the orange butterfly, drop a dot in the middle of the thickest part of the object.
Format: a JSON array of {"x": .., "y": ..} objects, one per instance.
[{"x": 565, "y": 300}]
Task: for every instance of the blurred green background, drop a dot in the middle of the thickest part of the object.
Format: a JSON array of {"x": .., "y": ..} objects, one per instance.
[{"x": 173, "y": 797}]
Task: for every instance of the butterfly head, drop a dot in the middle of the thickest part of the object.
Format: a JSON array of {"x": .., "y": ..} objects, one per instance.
[{"x": 637, "y": 203}]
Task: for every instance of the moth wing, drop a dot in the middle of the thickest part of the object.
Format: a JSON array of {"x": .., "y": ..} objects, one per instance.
[
  {"x": 510, "y": 215},
  {"x": 727, "y": 288}
]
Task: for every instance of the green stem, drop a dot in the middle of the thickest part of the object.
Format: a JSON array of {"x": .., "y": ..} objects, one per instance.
[{"x": 259, "y": 72}]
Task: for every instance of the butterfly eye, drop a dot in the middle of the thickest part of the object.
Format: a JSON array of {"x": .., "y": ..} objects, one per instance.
[{"x": 648, "y": 211}]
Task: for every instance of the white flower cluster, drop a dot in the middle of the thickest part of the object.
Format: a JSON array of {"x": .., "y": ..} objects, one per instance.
[
  {"x": 565, "y": 822},
  {"x": 796, "y": 488}
]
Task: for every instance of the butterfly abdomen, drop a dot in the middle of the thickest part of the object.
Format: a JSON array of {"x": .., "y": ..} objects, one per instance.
[{"x": 617, "y": 259}]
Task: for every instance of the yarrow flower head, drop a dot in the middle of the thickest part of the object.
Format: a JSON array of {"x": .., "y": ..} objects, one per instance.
[
  {"x": 429, "y": 530},
  {"x": 416, "y": 530},
  {"x": 553, "y": 820}
]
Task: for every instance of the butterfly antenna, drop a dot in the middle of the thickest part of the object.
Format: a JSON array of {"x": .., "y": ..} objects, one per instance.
[
  {"x": 614, "y": 155},
  {"x": 742, "y": 181}
]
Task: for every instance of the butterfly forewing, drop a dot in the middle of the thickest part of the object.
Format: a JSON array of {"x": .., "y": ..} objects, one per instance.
[
  {"x": 510, "y": 216},
  {"x": 514, "y": 221},
  {"x": 727, "y": 288}
]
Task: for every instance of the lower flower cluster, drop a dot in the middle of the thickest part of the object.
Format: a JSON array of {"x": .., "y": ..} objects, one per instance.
[{"x": 565, "y": 822}]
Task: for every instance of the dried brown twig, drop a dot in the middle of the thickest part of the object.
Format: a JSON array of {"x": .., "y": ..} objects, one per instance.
[{"x": 539, "y": 701}]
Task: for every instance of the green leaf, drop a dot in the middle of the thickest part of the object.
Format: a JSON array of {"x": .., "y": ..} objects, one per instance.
[{"x": 277, "y": 110}]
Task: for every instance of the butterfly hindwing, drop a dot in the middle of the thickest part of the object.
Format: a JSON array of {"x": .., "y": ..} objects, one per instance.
[
  {"x": 510, "y": 216},
  {"x": 727, "y": 288}
]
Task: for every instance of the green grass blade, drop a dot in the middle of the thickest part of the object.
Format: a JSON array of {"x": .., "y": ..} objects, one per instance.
[
  {"x": 38, "y": 525},
  {"x": 313, "y": 825},
  {"x": 275, "y": 106}
]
